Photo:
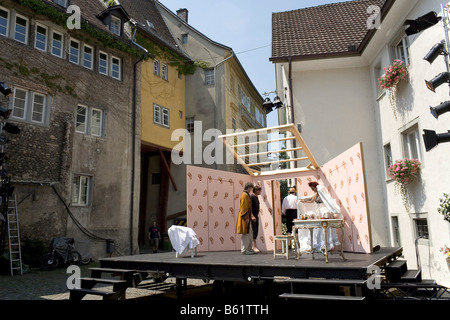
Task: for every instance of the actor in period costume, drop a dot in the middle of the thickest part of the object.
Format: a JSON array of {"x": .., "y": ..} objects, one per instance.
[{"x": 243, "y": 219}]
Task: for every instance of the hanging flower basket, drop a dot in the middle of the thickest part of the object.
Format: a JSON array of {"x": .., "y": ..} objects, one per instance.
[
  {"x": 404, "y": 171},
  {"x": 389, "y": 81},
  {"x": 444, "y": 207},
  {"x": 446, "y": 251}
]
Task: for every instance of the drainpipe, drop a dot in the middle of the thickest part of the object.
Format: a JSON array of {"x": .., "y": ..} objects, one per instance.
[{"x": 133, "y": 140}]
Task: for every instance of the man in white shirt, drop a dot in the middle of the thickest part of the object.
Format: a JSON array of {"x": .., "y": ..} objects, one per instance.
[{"x": 289, "y": 208}]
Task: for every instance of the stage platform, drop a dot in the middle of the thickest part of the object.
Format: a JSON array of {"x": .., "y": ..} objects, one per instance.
[{"x": 234, "y": 266}]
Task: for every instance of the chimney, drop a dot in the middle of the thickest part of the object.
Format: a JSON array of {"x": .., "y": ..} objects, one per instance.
[{"x": 183, "y": 14}]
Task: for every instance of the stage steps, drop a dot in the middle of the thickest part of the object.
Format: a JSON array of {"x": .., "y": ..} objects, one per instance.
[
  {"x": 344, "y": 285},
  {"x": 128, "y": 278},
  {"x": 397, "y": 271}
]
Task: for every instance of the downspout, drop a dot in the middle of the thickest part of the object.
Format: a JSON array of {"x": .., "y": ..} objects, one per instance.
[{"x": 133, "y": 138}]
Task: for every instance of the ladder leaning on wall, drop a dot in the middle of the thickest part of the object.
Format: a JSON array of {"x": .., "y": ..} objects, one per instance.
[{"x": 12, "y": 217}]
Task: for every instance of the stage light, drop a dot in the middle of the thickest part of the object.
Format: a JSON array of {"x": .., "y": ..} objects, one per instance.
[
  {"x": 440, "y": 109},
  {"x": 5, "y": 113},
  {"x": 438, "y": 80},
  {"x": 431, "y": 139},
  {"x": 5, "y": 89},
  {"x": 268, "y": 105},
  {"x": 424, "y": 22},
  {"x": 11, "y": 128},
  {"x": 277, "y": 102},
  {"x": 436, "y": 51}
]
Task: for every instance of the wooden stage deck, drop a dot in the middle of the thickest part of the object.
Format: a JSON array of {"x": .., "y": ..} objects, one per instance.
[{"x": 233, "y": 266}]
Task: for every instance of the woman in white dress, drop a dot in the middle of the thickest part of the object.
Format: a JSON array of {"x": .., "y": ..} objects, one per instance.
[{"x": 326, "y": 208}]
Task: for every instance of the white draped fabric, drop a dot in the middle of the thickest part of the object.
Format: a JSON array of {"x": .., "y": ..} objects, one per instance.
[
  {"x": 326, "y": 209},
  {"x": 182, "y": 238}
]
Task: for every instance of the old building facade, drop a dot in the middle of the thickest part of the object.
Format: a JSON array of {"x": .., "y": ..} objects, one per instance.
[{"x": 73, "y": 99}]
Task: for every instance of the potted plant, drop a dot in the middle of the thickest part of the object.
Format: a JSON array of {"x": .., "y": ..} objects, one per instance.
[
  {"x": 389, "y": 81},
  {"x": 444, "y": 207},
  {"x": 404, "y": 171},
  {"x": 446, "y": 251}
]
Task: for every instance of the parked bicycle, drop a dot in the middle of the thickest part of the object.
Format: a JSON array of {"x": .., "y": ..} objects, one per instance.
[{"x": 63, "y": 252}]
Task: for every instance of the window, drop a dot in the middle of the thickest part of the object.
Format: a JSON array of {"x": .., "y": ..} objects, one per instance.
[
  {"x": 190, "y": 125},
  {"x": 259, "y": 116},
  {"x": 62, "y": 3},
  {"x": 88, "y": 53},
  {"x": 161, "y": 115},
  {"x": 74, "y": 52},
  {"x": 38, "y": 108},
  {"x": 57, "y": 44},
  {"x": 421, "y": 226},
  {"x": 21, "y": 29},
  {"x": 209, "y": 77},
  {"x": 4, "y": 22},
  {"x": 115, "y": 25},
  {"x": 402, "y": 50},
  {"x": 396, "y": 231},
  {"x": 156, "y": 68},
  {"x": 89, "y": 121},
  {"x": 81, "y": 186},
  {"x": 30, "y": 106},
  {"x": 40, "y": 41},
  {"x": 103, "y": 63},
  {"x": 165, "y": 72},
  {"x": 411, "y": 143},
  {"x": 165, "y": 117},
  {"x": 184, "y": 38},
  {"x": 96, "y": 122},
  {"x": 19, "y": 103},
  {"x": 387, "y": 158},
  {"x": 115, "y": 68}
]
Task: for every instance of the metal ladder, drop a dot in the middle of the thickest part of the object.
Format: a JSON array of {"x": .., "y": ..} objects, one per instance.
[{"x": 15, "y": 255}]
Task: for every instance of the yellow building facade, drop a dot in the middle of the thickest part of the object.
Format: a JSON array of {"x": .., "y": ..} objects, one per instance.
[{"x": 162, "y": 103}]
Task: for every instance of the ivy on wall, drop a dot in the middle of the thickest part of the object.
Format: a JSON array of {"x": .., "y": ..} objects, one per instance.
[{"x": 59, "y": 17}]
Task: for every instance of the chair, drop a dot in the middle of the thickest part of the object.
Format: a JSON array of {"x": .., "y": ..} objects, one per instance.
[
  {"x": 284, "y": 245},
  {"x": 183, "y": 239}
]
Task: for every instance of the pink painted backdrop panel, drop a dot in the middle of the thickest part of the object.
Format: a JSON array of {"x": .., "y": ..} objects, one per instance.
[{"x": 213, "y": 202}]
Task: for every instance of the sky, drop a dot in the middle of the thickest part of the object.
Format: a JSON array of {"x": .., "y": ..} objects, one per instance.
[{"x": 246, "y": 27}]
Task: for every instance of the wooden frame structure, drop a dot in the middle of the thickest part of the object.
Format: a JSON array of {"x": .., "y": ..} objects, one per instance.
[{"x": 243, "y": 144}]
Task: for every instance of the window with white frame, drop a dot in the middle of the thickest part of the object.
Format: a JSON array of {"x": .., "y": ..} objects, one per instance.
[
  {"x": 81, "y": 187},
  {"x": 21, "y": 29},
  {"x": 89, "y": 121},
  {"x": 165, "y": 72},
  {"x": 209, "y": 77},
  {"x": 387, "y": 158},
  {"x": 156, "y": 68},
  {"x": 4, "y": 22},
  {"x": 103, "y": 63},
  {"x": 30, "y": 106},
  {"x": 161, "y": 115},
  {"x": 421, "y": 226},
  {"x": 88, "y": 53},
  {"x": 74, "y": 51},
  {"x": 402, "y": 50},
  {"x": 40, "y": 41},
  {"x": 115, "y": 25},
  {"x": 411, "y": 143},
  {"x": 184, "y": 38},
  {"x": 57, "y": 44},
  {"x": 115, "y": 68},
  {"x": 190, "y": 125}
]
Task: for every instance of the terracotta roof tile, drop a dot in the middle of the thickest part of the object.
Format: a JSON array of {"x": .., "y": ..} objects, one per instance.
[{"x": 324, "y": 30}]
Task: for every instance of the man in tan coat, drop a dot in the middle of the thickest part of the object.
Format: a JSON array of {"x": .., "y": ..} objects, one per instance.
[{"x": 243, "y": 219}]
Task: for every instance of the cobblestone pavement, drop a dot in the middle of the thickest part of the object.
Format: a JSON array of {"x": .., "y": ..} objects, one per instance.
[{"x": 51, "y": 285}]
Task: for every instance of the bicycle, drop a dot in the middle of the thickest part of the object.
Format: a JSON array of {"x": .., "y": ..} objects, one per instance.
[{"x": 63, "y": 252}]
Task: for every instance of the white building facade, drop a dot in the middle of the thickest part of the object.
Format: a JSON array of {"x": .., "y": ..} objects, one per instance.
[{"x": 335, "y": 96}]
